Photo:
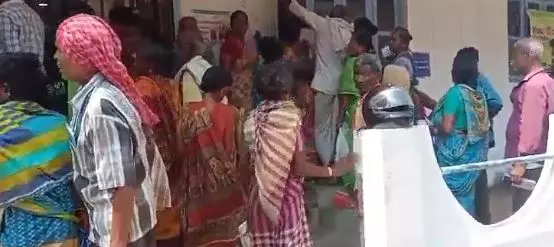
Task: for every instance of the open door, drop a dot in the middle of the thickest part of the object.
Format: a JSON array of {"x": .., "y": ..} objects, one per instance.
[{"x": 158, "y": 16}]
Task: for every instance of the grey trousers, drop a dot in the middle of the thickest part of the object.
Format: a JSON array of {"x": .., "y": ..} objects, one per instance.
[
  {"x": 520, "y": 196},
  {"x": 326, "y": 108}
]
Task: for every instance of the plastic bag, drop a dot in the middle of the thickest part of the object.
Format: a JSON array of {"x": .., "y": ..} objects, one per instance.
[
  {"x": 245, "y": 239},
  {"x": 342, "y": 147}
]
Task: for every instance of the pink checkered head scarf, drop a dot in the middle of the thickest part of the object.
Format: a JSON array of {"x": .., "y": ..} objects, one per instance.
[{"x": 89, "y": 41}]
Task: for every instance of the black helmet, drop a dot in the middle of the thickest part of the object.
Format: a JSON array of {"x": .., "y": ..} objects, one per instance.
[{"x": 388, "y": 103}]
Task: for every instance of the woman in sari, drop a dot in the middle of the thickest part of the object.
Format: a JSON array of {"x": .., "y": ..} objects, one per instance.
[
  {"x": 236, "y": 58},
  {"x": 36, "y": 189},
  {"x": 210, "y": 193},
  {"x": 461, "y": 123},
  {"x": 163, "y": 96},
  {"x": 277, "y": 216}
]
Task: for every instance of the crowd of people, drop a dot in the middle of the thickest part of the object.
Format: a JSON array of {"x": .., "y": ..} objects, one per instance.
[{"x": 185, "y": 145}]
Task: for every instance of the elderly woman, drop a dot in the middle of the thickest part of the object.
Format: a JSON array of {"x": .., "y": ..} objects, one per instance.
[
  {"x": 367, "y": 74},
  {"x": 461, "y": 124},
  {"x": 277, "y": 213},
  {"x": 114, "y": 173},
  {"x": 35, "y": 171}
]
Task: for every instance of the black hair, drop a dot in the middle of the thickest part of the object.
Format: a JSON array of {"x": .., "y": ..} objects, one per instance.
[
  {"x": 403, "y": 34},
  {"x": 364, "y": 39},
  {"x": 338, "y": 11},
  {"x": 159, "y": 56},
  {"x": 472, "y": 52},
  {"x": 79, "y": 7},
  {"x": 363, "y": 24},
  {"x": 274, "y": 80},
  {"x": 303, "y": 73},
  {"x": 271, "y": 49},
  {"x": 290, "y": 35},
  {"x": 465, "y": 70},
  {"x": 23, "y": 75},
  {"x": 236, "y": 15},
  {"x": 216, "y": 78},
  {"x": 125, "y": 16}
]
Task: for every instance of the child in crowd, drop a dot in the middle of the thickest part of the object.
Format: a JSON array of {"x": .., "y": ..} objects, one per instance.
[
  {"x": 271, "y": 50},
  {"x": 303, "y": 98},
  {"x": 349, "y": 92}
]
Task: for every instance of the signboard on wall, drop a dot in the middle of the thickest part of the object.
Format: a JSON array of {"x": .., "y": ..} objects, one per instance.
[
  {"x": 541, "y": 27},
  {"x": 421, "y": 61},
  {"x": 212, "y": 23}
]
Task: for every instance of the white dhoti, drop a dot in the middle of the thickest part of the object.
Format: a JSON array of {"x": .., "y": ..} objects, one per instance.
[{"x": 326, "y": 108}]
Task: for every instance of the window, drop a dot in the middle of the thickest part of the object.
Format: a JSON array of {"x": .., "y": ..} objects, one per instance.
[
  {"x": 518, "y": 22},
  {"x": 532, "y": 5},
  {"x": 386, "y": 17},
  {"x": 355, "y": 8},
  {"x": 323, "y": 7},
  {"x": 386, "y": 14},
  {"x": 514, "y": 18}
]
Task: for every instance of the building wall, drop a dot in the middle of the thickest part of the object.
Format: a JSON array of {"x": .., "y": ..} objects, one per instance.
[
  {"x": 443, "y": 27},
  {"x": 262, "y": 13}
]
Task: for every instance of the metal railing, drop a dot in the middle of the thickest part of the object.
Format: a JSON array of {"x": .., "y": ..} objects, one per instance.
[{"x": 495, "y": 163}]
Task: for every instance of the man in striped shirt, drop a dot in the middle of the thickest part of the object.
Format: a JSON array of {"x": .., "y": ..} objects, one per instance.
[
  {"x": 110, "y": 159},
  {"x": 118, "y": 174}
]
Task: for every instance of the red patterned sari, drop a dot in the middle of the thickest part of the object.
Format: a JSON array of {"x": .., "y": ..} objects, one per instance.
[{"x": 210, "y": 193}]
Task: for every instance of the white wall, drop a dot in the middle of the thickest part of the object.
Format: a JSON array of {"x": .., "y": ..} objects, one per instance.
[
  {"x": 262, "y": 13},
  {"x": 443, "y": 27}
]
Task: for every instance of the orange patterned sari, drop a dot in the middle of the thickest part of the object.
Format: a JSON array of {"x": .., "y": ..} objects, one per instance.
[
  {"x": 163, "y": 96},
  {"x": 210, "y": 193}
]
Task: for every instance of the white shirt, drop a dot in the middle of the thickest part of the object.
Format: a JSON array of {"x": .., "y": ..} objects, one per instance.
[{"x": 331, "y": 37}]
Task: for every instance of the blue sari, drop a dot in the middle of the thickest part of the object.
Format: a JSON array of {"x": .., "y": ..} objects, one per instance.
[
  {"x": 35, "y": 177},
  {"x": 463, "y": 146}
]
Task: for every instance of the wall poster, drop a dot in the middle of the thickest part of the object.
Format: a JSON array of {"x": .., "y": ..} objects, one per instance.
[
  {"x": 212, "y": 23},
  {"x": 541, "y": 27}
]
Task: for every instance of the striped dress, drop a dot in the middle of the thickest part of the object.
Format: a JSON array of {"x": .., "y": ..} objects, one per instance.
[{"x": 277, "y": 217}]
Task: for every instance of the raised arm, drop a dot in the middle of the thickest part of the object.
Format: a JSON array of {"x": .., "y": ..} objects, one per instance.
[{"x": 315, "y": 21}]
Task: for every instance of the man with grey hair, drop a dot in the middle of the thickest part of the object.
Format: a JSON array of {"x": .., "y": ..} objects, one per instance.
[{"x": 533, "y": 101}]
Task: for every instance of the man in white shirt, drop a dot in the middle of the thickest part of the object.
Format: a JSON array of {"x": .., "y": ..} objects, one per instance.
[{"x": 332, "y": 35}]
